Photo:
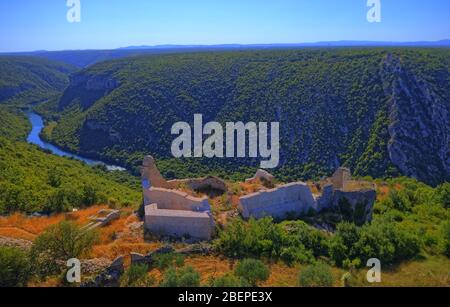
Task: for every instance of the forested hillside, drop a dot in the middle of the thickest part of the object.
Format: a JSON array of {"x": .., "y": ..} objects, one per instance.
[
  {"x": 34, "y": 180},
  {"x": 27, "y": 80},
  {"x": 378, "y": 111}
]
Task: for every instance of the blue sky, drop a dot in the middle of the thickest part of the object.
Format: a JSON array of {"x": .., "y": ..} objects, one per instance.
[{"x": 27, "y": 25}]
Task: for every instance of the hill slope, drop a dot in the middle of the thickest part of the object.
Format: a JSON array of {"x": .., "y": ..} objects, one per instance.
[
  {"x": 33, "y": 180},
  {"x": 379, "y": 111},
  {"x": 26, "y": 80}
]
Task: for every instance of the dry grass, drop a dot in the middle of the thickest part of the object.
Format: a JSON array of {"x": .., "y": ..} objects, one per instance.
[{"x": 433, "y": 271}]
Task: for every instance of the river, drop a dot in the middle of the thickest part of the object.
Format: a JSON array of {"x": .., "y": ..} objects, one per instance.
[{"x": 34, "y": 137}]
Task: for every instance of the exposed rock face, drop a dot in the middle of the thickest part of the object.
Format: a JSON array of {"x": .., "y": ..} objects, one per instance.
[
  {"x": 419, "y": 124},
  {"x": 94, "y": 86}
]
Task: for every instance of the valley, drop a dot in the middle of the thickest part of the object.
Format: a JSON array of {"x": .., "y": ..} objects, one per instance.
[{"x": 383, "y": 112}]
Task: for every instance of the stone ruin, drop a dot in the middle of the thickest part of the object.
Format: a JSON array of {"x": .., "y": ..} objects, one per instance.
[
  {"x": 293, "y": 198},
  {"x": 151, "y": 173},
  {"x": 296, "y": 199},
  {"x": 102, "y": 218},
  {"x": 262, "y": 176},
  {"x": 170, "y": 212}
]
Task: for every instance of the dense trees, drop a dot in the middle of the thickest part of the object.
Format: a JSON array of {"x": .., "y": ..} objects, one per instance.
[
  {"x": 32, "y": 180},
  {"x": 26, "y": 80},
  {"x": 14, "y": 267},
  {"x": 297, "y": 88}
]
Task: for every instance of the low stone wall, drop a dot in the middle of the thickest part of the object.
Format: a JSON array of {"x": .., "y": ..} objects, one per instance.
[
  {"x": 175, "y": 200},
  {"x": 177, "y": 223},
  {"x": 261, "y": 175},
  {"x": 293, "y": 198}
]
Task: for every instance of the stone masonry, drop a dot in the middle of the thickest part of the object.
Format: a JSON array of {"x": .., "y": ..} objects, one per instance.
[
  {"x": 297, "y": 198},
  {"x": 170, "y": 212}
]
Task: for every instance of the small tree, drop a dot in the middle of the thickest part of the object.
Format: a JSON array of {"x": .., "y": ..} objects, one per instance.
[
  {"x": 317, "y": 275},
  {"x": 62, "y": 242},
  {"x": 253, "y": 271},
  {"x": 14, "y": 268}
]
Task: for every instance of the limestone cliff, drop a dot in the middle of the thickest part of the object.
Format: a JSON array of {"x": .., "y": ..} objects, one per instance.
[{"x": 419, "y": 126}]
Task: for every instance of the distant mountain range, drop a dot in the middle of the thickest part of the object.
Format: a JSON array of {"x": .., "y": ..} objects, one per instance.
[
  {"x": 343, "y": 43},
  {"x": 85, "y": 58}
]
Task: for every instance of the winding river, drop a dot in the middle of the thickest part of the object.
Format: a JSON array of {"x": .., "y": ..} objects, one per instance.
[{"x": 34, "y": 138}]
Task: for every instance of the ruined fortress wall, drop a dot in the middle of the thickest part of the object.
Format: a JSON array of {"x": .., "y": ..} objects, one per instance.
[
  {"x": 340, "y": 177},
  {"x": 291, "y": 198},
  {"x": 197, "y": 225},
  {"x": 175, "y": 200},
  {"x": 365, "y": 198}
]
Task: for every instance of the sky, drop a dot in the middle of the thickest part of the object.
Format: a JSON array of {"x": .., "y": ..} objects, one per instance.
[{"x": 28, "y": 25}]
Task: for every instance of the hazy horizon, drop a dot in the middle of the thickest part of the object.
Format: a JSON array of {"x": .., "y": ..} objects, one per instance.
[{"x": 27, "y": 26}]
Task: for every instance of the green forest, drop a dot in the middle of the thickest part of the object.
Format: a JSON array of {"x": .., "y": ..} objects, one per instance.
[
  {"x": 33, "y": 180},
  {"x": 336, "y": 107}
]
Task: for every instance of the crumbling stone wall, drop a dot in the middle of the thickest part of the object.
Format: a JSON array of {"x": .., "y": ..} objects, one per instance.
[
  {"x": 175, "y": 200},
  {"x": 297, "y": 198},
  {"x": 340, "y": 177},
  {"x": 176, "y": 223},
  {"x": 293, "y": 198}
]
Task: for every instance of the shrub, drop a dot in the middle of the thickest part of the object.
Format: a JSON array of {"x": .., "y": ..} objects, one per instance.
[
  {"x": 446, "y": 239},
  {"x": 253, "y": 271},
  {"x": 346, "y": 236},
  {"x": 63, "y": 241},
  {"x": 163, "y": 261},
  {"x": 136, "y": 276},
  {"x": 14, "y": 268},
  {"x": 386, "y": 241},
  {"x": 184, "y": 277},
  {"x": 229, "y": 280},
  {"x": 317, "y": 275},
  {"x": 443, "y": 192}
]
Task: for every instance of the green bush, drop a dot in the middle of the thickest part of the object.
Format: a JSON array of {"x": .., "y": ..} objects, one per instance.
[
  {"x": 253, "y": 271},
  {"x": 183, "y": 277},
  {"x": 388, "y": 242},
  {"x": 317, "y": 275},
  {"x": 60, "y": 242},
  {"x": 229, "y": 280},
  {"x": 163, "y": 261},
  {"x": 289, "y": 241},
  {"x": 445, "y": 231},
  {"x": 14, "y": 267},
  {"x": 136, "y": 276}
]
